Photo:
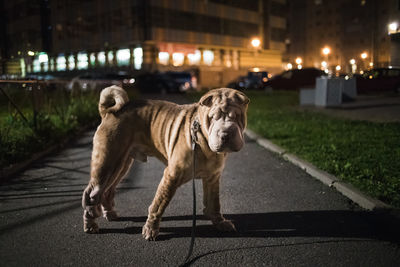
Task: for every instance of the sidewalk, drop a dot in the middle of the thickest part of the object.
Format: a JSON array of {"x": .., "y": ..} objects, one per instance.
[
  {"x": 382, "y": 108},
  {"x": 283, "y": 218}
]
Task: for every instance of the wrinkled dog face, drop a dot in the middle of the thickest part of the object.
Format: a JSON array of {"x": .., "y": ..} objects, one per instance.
[{"x": 226, "y": 119}]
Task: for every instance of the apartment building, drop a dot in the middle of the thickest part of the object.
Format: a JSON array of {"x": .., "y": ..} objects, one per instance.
[
  {"x": 218, "y": 39},
  {"x": 344, "y": 35}
]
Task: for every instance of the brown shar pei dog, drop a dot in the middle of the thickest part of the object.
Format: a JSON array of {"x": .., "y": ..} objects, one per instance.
[{"x": 133, "y": 130}]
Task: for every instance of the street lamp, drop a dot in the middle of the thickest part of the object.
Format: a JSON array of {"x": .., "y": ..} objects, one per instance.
[
  {"x": 364, "y": 55},
  {"x": 298, "y": 61},
  {"x": 255, "y": 42},
  {"x": 392, "y": 27},
  {"x": 326, "y": 51}
]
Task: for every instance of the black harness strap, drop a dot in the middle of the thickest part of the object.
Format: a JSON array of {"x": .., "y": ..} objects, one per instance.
[{"x": 193, "y": 132}]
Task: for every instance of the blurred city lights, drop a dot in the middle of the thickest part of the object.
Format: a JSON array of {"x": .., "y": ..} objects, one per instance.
[
  {"x": 326, "y": 51},
  {"x": 194, "y": 59},
  {"x": 393, "y": 27},
  {"x": 289, "y": 66},
  {"x": 208, "y": 57},
  {"x": 255, "y": 42},
  {"x": 177, "y": 59},
  {"x": 138, "y": 57},
  {"x": 299, "y": 66},
  {"x": 31, "y": 53},
  {"x": 352, "y": 61},
  {"x": 123, "y": 57},
  {"x": 43, "y": 57},
  {"x": 324, "y": 64},
  {"x": 163, "y": 58},
  {"x": 298, "y": 60},
  {"x": 338, "y": 68},
  {"x": 364, "y": 55}
]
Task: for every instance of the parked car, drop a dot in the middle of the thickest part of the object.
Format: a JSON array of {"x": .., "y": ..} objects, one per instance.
[
  {"x": 379, "y": 80},
  {"x": 294, "y": 79},
  {"x": 156, "y": 83},
  {"x": 251, "y": 81},
  {"x": 97, "y": 81},
  {"x": 185, "y": 80}
]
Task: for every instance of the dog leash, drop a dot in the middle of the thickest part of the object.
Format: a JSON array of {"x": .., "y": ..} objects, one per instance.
[{"x": 193, "y": 132}]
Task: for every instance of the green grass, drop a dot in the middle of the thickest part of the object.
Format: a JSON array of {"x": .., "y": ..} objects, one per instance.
[
  {"x": 59, "y": 116},
  {"x": 365, "y": 154}
]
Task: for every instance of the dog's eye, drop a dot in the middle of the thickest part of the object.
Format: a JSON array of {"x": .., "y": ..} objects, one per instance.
[
  {"x": 232, "y": 115},
  {"x": 217, "y": 116}
]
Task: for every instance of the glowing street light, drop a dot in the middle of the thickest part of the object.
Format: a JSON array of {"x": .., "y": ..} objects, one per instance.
[
  {"x": 393, "y": 27},
  {"x": 324, "y": 64},
  {"x": 364, "y": 55},
  {"x": 338, "y": 68},
  {"x": 371, "y": 64},
  {"x": 31, "y": 53},
  {"x": 326, "y": 51},
  {"x": 289, "y": 66},
  {"x": 255, "y": 42},
  {"x": 298, "y": 61},
  {"x": 352, "y": 61}
]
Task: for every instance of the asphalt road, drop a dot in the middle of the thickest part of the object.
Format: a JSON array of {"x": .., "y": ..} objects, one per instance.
[{"x": 283, "y": 217}]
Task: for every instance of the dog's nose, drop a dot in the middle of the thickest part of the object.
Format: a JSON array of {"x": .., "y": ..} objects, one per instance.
[{"x": 224, "y": 136}]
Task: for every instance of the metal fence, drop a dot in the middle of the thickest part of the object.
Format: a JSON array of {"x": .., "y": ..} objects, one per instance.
[{"x": 25, "y": 99}]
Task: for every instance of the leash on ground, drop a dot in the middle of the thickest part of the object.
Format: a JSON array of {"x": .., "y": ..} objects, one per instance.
[{"x": 193, "y": 132}]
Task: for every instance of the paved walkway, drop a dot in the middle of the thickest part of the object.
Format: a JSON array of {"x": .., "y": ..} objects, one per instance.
[
  {"x": 369, "y": 108},
  {"x": 283, "y": 216}
]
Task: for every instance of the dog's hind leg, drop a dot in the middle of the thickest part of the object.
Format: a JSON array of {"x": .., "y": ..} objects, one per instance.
[
  {"x": 108, "y": 202},
  {"x": 91, "y": 204},
  {"x": 108, "y": 161}
]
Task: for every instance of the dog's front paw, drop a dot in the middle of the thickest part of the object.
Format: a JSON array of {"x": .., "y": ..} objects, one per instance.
[
  {"x": 110, "y": 215},
  {"x": 91, "y": 228},
  {"x": 226, "y": 226},
  {"x": 150, "y": 232}
]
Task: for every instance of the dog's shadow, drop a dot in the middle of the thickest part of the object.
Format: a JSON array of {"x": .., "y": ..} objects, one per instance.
[{"x": 339, "y": 223}]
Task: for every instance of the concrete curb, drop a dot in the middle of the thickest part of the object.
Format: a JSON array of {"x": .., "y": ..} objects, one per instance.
[{"x": 346, "y": 189}]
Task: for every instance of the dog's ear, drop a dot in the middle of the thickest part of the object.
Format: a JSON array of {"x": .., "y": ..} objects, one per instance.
[
  {"x": 206, "y": 100},
  {"x": 241, "y": 99}
]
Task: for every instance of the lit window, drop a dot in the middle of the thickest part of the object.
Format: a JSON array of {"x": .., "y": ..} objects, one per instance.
[
  {"x": 123, "y": 56},
  {"x": 71, "y": 62},
  {"x": 101, "y": 58},
  {"x": 138, "y": 57},
  {"x": 82, "y": 61},
  {"x": 194, "y": 59},
  {"x": 208, "y": 57},
  {"x": 61, "y": 63},
  {"x": 177, "y": 59},
  {"x": 163, "y": 58},
  {"x": 44, "y": 60},
  {"x": 36, "y": 65},
  {"x": 110, "y": 55},
  {"x": 92, "y": 59}
]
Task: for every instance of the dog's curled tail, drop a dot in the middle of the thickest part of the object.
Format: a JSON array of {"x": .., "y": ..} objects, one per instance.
[{"x": 112, "y": 99}]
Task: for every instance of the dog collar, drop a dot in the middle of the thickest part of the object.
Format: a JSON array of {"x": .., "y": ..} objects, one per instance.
[{"x": 195, "y": 127}]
